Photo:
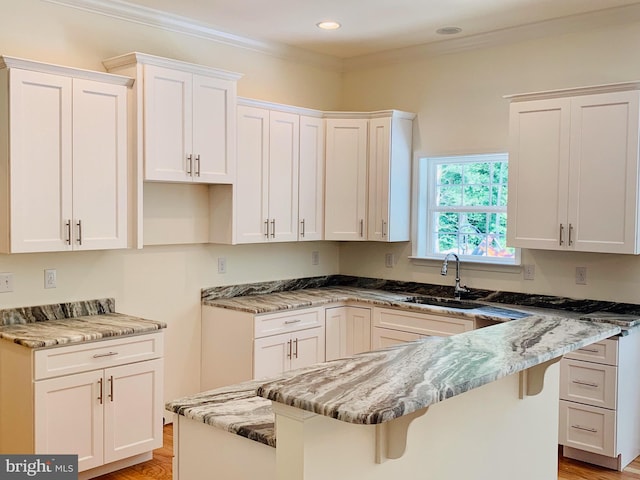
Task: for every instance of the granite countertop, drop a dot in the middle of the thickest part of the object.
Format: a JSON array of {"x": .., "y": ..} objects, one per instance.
[{"x": 68, "y": 323}]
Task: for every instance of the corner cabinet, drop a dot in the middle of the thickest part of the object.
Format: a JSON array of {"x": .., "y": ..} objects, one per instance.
[
  {"x": 348, "y": 331},
  {"x": 185, "y": 118},
  {"x": 63, "y": 158},
  {"x": 100, "y": 400},
  {"x": 368, "y": 176},
  {"x": 573, "y": 170}
]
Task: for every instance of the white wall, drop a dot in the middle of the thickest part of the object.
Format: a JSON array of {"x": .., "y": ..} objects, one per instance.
[
  {"x": 158, "y": 282},
  {"x": 458, "y": 99}
]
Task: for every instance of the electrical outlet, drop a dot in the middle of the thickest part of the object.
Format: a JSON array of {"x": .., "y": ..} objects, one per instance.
[
  {"x": 222, "y": 265},
  {"x": 529, "y": 272},
  {"x": 50, "y": 278},
  {"x": 6, "y": 282},
  {"x": 581, "y": 275},
  {"x": 389, "y": 260},
  {"x": 315, "y": 257}
]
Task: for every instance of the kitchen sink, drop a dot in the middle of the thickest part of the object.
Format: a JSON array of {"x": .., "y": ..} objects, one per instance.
[{"x": 445, "y": 302}]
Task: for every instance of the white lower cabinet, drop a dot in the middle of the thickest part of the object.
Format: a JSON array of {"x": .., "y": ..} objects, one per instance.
[
  {"x": 101, "y": 400},
  {"x": 385, "y": 337},
  {"x": 599, "y": 388},
  {"x": 239, "y": 346},
  {"x": 348, "y": 331}
]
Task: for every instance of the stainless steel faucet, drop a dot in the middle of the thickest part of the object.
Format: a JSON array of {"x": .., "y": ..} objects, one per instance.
[{"x": 443, "y": 271}]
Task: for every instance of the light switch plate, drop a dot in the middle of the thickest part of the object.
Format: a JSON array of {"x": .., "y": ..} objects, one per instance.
[
  {"x": 529, "y": 272},
  {"x": 6, "y": 282},
  {"x": 581, "y": 275}
]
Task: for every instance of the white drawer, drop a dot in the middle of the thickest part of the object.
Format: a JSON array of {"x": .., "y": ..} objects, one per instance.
[
  {"x": 53, "y": 362},
  {"x": 282, "y": 322},
  {"x": 605, "y": 352},
  {"x": 587, "y": 428},
  {"x": 591, "y": 383},
  {"x": 420, "y": 323}
]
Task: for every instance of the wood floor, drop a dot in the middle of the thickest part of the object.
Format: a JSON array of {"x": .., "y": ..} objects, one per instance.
[{"x": 160, "y": 467}]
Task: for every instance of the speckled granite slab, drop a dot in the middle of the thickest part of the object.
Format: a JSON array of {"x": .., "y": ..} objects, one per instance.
[
  {"x": 235, "y": 409},
  {"x": 66, "y": 323},
  {"x": 378, "y": 386}
]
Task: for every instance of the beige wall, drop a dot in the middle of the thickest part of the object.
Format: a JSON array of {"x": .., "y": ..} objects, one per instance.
[
  {"x": 158, "y": 282},
  {"x": 458, "y": 98}
]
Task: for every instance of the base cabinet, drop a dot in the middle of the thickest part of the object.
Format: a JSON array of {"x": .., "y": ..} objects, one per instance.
[
  {"x": 104, "y": 415},
  {"x": 280, "y": 353},
  {"x": 348, "y": 331},
  {"x": 599, "y": 388}
]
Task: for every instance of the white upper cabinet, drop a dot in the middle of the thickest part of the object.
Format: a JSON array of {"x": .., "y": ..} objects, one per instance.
[
  {"x": 573, "y": 170},
  {"x": 368, "y": 176},
  {"x": 311, "y": 179},
  {"x": 64, "y": 158},
  {"x": 186, "y": 118}
]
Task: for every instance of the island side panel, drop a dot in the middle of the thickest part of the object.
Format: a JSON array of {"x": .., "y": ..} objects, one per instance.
[{"x": 485, "y": 433}]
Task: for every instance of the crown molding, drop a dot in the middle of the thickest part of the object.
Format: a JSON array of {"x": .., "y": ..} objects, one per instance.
[
  {"x": 532, "y": 31},
  {"x": 126, "y": 11}
]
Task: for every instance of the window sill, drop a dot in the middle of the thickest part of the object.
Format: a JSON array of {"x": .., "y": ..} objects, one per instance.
[{"x": 468, "y": 265}]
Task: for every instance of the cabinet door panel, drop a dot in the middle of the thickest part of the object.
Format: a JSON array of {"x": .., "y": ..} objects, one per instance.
[
  {"x": 604, "y": 172},
  {"x": 99, "y": 165},
  {"x": 379, "y": 155},
  {"x": 251, "y": 185},
  {"x": 69, "y": 417},
  {"x": 538, "y": 173},
  {"x": 167, "y": 124},
  {"x": 213, "y": 139},
  {"x": 284, "y": 141},
  {"x": 41, "y": 160},
  {"x": 311, "y": 179},
  {"x": 385, "y": 337},
  {"x": 346, "y": 180},
  {"x": 133, "y": 409},
  {"x": 272, "y": 355},
  {"x": 308, "y": 347}
]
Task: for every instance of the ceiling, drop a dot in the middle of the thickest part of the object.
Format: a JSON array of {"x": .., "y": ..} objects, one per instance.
[{"x": 369, "y": 26}]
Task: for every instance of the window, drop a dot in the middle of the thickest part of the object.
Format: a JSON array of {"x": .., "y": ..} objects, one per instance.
[{"x": 462, "y": 208}]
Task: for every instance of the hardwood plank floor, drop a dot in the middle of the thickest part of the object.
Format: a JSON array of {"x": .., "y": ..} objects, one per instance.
[{"x": 160, "y": 467}]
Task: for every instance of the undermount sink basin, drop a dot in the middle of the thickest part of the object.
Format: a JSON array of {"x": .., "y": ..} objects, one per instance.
[{"x": 445, "y": 302}]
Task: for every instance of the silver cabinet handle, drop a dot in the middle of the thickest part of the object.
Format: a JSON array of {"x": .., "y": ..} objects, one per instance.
[
  {"x": 590, "y": 350},
  {"x": 561, "y": 234},
  {"x": 586, "y": 429},
  {"x": 79, "y": 225},
  {"x": 289, "y": 345},
  {"x": 302, "y": 224},
  {"x": 361, "y": 228},
  {"x": 570, "y": 232},
  {"x": 190, "y": 165},
  {"x": 111, "y": 388},
  {"x": 108, "y": 354},
  {"x": 100, "y": 387},
  {"x": 197, "y": 165},
  {"x": 295, "y": 353},
  {"x": 384, "y": 228},
  {"x": 273, "y": 228},
  {"x": 266, "y": 228},
  {"x": 67, "y": 225},
  {"x": 587, "y": 384},
  {"x": 289, "y": 322}
]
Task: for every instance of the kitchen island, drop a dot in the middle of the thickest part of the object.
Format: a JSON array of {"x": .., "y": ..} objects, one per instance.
[{"x": 414, "y": 410}]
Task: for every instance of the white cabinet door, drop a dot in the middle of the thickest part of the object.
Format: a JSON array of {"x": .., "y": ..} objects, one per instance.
[
  {"x": 99, "y": 165},
  {"x": 69, "y": 417},
  {"x": 133, "y": 409},
  {"x": 603, "y": 203},
  {"x": 539, "y": 174},
  {"x": 284, "y": 141},
  {"x": 348, "y": 331},
  {"x": 346, "y": 179},
  {"x": 272, "y": 355},
  {"x": 311, "y": 179},
  {"x": 251, "y": 216},
  {"x": 308, "y": 347},
  {"x": 214, "y": 113},
  {"x": 168, "y": 120},
  {"x": 385, "y": 337},
  {"x": 40, "y": 156}
]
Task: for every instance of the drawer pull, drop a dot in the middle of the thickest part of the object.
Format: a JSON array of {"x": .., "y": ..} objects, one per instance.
[
  {"x": 587, "y": 384},
  {"x": 289, "y": 322},
  {"x": 100, "y": 386},
  {"x": 590, "y": 350},
  {"x": 108, "y": 354},
  {"x": 586, "y": 429},
  {"x": 289, "y": 343},
  {"x": 111, "y": 388},
  {"x": 295, "y": 352}
]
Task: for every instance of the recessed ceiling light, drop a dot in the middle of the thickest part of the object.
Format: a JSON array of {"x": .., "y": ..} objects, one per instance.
[
  {"x": 448, "y": 30},
  {"x": 328, "y": 25}
]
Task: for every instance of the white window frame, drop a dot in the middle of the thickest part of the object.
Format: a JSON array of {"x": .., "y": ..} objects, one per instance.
[{"x": 424, "y": 199}]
